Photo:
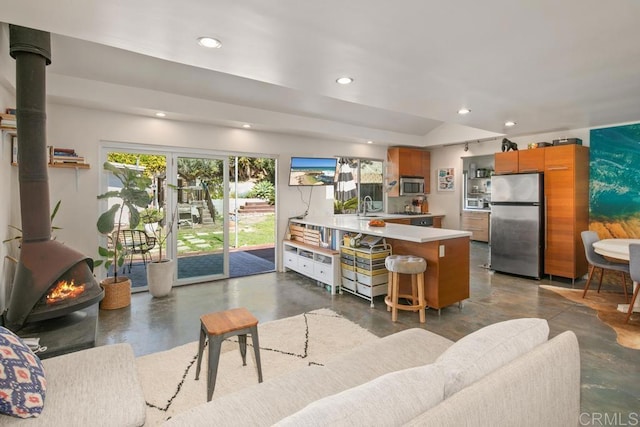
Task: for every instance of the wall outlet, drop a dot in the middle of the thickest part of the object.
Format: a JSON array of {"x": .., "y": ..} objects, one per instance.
[{"x": 441, "y": 248}]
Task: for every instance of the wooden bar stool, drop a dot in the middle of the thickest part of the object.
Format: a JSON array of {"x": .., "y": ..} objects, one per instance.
[
  {"x": 405, "y": 264},
  {"x": 216, "y": 327}
]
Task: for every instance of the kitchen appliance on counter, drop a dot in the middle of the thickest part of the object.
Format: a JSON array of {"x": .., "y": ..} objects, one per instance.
[
  {"x": 517, "y": 224},
  {"x": 411, "y": 185},
  {"x": 474, "y": 203}
]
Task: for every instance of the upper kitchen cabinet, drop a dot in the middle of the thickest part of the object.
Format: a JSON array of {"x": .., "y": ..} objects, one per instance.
[
  {"x": 524, "y": 161},
  {"x": 506, "y": 162},
  {"x": 402, "y": 161},
  {"x": 531, "y": 160}
]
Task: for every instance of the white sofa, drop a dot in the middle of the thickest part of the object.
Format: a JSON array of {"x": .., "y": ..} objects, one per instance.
[
  {"x": 506, "y": 374},
  {"x": 94, "y": 387}
]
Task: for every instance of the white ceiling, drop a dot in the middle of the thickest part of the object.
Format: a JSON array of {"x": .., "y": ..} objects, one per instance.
[{"x": 548, "y": 65}]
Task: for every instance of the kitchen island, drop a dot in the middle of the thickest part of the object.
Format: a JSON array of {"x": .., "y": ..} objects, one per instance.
[{"x": 446, "y": 252}]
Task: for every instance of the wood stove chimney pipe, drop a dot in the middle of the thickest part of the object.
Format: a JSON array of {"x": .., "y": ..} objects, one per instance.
[{"x": 32, "y": 51}]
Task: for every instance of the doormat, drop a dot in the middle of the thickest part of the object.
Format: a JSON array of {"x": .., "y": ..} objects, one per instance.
[{"x": 606, "y": 306}]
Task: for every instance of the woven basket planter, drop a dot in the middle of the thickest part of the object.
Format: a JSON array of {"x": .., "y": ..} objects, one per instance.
[{"x": 116, "y": 295}]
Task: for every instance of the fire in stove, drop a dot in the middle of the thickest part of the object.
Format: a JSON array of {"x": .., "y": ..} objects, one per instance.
[{"x": 64, "y": 290}]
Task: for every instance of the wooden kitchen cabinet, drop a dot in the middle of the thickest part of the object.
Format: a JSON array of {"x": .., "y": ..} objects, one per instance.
[
  {"x": 506, "y": 162},
  {"x": 531, "y": 160},
  {"x": 566, "y": 185},
  {"x": 520, "y": 161},
  {"x": 477, "y": 223},
  {"x": 402, "y": 161}
]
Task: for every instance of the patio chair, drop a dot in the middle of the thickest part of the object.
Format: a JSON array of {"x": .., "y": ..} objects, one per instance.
[
  {"x": 598, "y": 261},
  {"x": 137, "y": 242}
]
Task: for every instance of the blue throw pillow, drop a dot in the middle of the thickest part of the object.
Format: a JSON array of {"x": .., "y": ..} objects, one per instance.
[{"x": 22, "y": 382}]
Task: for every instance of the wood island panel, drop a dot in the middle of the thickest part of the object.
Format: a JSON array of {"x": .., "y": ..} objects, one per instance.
[{"x": 446, "y": 278}]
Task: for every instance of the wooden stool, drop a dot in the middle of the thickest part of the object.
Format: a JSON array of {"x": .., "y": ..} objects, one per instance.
[
  {"x": 405, "y": 264},
  {"x": 216, "y": 327}
]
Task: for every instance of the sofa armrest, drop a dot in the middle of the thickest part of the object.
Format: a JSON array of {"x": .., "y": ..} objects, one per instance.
[{"x": 94, "y": 387}]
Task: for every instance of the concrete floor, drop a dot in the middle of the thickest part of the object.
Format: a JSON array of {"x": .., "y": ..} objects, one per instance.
[{"x": 610, "y": 372}]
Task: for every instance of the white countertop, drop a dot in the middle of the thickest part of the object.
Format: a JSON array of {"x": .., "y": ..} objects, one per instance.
[{"x": 410, "y": 233}]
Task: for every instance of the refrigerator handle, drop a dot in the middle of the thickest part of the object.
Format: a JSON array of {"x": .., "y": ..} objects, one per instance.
[{"x": 545, "y": 224}]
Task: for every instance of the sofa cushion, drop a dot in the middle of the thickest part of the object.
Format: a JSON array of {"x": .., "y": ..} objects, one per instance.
[
  {"x": 391, "y": 399},
  {"x": 405, "y": 349},
  {"x": 540, "y": 388},
  {"x": 489, "y": 348},
  {"x": 22, "y": 379}
]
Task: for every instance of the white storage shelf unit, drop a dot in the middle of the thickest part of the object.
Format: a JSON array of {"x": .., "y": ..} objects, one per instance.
[
  {"x": 312, "y": 261},
  {"x": 363, "y": 271}
]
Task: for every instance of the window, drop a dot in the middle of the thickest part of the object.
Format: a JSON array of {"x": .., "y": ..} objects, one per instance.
[{"x": 358, "y": 181}]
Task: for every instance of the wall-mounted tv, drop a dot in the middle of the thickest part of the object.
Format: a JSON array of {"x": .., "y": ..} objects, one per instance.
[{"x": 312, "y": 171}]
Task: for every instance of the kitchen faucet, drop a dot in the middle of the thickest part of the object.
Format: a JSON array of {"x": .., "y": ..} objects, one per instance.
[{"x": 364, "y": 204}]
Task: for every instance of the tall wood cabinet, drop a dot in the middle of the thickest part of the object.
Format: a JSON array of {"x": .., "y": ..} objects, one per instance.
[
  {"x": 402, "y": 161},
  {"x": 566, "y": 184}
]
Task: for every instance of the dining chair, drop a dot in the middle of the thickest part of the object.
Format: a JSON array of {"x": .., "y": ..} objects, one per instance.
[
  {"x": 634, "y": 272},
  {"x": 598, "y": 261}
]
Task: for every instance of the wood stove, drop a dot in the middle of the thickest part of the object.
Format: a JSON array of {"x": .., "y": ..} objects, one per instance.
[{"x": 38, "y": 293}]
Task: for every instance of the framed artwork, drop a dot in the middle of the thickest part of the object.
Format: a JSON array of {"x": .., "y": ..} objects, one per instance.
[{"x": 446, "y": 179}]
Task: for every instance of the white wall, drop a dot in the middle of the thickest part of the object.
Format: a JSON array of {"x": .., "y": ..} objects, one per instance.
[
  {"x": 86, "y": 129},
  {"x": 9, "y": 208}
]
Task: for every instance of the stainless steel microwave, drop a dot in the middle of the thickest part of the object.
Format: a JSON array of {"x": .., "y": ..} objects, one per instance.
[
  {"x": 473, "y": 203},
  {"x": 411, "y": 185}
]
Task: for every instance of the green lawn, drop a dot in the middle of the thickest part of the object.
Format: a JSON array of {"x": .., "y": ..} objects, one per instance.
[{"x": 252, "y": 230}]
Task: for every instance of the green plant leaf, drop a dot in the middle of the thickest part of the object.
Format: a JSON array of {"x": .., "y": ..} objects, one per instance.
[{"x": 106, "y": 221}]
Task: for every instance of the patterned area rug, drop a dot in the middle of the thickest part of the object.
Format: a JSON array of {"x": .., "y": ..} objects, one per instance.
[
  {"x": 285, "y": 345},
  {"x": 606, "y": 304}
]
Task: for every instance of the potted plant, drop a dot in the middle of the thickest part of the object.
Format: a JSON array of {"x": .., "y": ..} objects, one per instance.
[
  {"x": 132, "y": 195},
  {"x": 160, "y": 271}
]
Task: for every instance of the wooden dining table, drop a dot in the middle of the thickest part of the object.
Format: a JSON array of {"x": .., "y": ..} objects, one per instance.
[{"x": 618, "y": 249}]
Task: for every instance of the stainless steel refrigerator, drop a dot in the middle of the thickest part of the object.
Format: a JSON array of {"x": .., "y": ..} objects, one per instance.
[{"x": 517, "y": 224}]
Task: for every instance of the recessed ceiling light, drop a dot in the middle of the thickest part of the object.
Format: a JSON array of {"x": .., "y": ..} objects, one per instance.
[
  {"x": 464, "y": 111},
  {"x": 369, "y": 142},
  {"x": 509, "y": 123},
  {"x": 160, "y": 114},
  {"x": 344, "y": 80},
  {"x": 209, "y": 42},
  {"x": 246, "y": 125}
]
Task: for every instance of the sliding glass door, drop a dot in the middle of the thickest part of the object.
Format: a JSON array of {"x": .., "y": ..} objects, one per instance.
[
  {"x": 221, "y": 208},
  {"x": 200, "y": 201},
  {"x": 252, "y": 225}
]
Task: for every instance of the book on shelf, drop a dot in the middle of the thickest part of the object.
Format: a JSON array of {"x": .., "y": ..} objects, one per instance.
[
  {"x": 14, "y": 150},
  {"x": 10, "y": 110},
  {"x": 64, "y": 155},
  {"x": 8, "y": 121}
]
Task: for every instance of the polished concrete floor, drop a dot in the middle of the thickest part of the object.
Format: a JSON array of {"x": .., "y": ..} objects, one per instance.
[{"x": 610, "y": 372}]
